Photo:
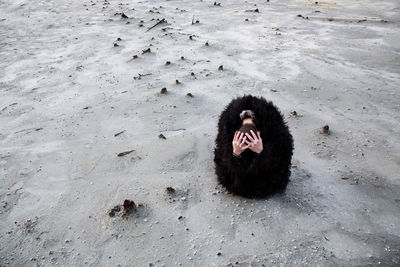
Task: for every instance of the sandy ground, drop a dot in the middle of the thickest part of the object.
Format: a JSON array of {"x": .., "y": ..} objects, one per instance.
[{"x": 66, "y": 90}]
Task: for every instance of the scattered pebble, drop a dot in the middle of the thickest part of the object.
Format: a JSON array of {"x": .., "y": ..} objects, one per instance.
[
  {"x": 221, "y": 67},
  {"x": 170, "y": 190},
  {"x": 114, "y": 210},
  {"x": 293, "y": 114},
  {"x": 325, "y": 130},
  {"x": 163, "y": 91},
  {"x": 148, "y": 50},
  {"x": 129, "y": 207},
  {"x": 161, "y": 136}
]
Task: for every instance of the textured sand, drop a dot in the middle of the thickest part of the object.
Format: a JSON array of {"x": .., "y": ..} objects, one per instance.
[{"x": 66, "y": 90}]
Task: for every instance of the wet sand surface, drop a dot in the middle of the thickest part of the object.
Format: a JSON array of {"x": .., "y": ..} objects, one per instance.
[{"x": 82, "y": 82}]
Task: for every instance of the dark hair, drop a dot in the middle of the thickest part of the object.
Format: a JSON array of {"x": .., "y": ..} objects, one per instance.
[{"x": 247, "y": 127}]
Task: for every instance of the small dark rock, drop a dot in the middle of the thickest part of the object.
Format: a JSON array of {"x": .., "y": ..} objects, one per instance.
[
  {"x": 148, "y": 50},
  {"x": 163, "y": 91},
  {"x": 177, "y": 82},
  {"x": 167, "y": 63},
  {"x": 325, "y": 130},
  {"x": 135, "y": 57},
  {"x": 221, "y": 67},
  {"x": 170, "y": 190},
  {"x": 189, "y": 95},
  {"x": 161, "y": 136},
  {"x": 116, "y": 45},
  {"x": 124, "y": 16},
  {"x": 129, "y": 207},
  {"x": 114, "y": 210}
]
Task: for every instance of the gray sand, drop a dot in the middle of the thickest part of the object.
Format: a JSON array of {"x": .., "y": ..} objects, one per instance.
[{"x": 66, "y": 90}]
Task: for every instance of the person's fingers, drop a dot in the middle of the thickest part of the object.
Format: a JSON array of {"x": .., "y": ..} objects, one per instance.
[
  {"x": 244, "y": 139},
  {"x": 236, "y": 135},
  {"x": 240, "y": 137},
  {"x": 253, "y": 134},
  {"x": 249, "y": 143},
  {"x": 251, "y": 138},
  {"x": 259, "y": 135}
]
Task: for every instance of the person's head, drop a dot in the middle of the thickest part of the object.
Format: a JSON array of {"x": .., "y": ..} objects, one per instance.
[{"x": 247, "y": 117}]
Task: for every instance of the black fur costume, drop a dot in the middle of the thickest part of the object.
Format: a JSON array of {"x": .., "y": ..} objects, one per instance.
[{"x": 252, "y": 175}]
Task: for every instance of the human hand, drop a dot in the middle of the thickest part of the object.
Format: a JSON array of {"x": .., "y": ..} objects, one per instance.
[
  {"x": 238, "y": 143},
  {"x": 255, "y": 144}
]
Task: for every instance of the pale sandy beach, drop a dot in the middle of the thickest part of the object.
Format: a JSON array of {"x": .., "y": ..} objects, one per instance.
[{"x": 78, "y": 86}]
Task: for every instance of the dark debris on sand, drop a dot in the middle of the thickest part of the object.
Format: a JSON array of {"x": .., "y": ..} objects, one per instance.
[
  {"x": 170, "y": 190},
  {"x": 125, "y": 209},
  {"x": 325, "y": 130},
  {"x": 125, "y": 153}
]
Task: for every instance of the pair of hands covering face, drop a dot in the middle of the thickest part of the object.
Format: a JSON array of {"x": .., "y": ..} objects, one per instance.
[{"x": 241, "y": 142}]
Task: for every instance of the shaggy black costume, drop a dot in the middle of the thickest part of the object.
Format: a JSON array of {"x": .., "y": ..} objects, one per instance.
[{"x": 251, "y": 174}]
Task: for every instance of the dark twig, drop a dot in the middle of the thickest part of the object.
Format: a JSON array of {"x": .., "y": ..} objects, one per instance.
[
  {"x": 119, "y": 133},
  {"x": 158, "y": 23}
]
